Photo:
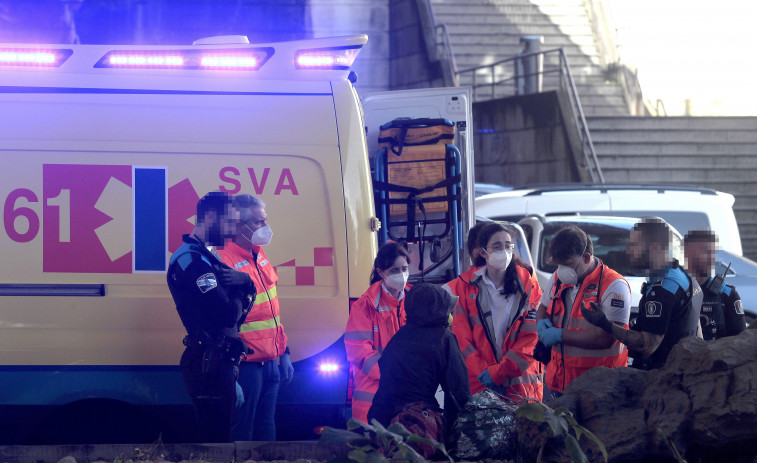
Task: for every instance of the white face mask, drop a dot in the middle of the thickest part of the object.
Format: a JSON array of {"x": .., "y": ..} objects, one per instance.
[
  {"x": 500, "y": 259},
  {"x": 260, "y": 237},
  {"x": 567, "y": 275},
  {"x": 396, "y": 281}
]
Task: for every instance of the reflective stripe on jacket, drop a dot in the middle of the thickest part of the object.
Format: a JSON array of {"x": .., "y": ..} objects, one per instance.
[
  {"x": 374, "y": 319},
  {"x": 262, "y": 329},
  {"x": 570, "y": 362},
  {"x": 517, "y": 371}
]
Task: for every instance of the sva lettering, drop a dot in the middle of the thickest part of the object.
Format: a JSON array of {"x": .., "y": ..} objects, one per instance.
[{"x": 233, "y": 185}]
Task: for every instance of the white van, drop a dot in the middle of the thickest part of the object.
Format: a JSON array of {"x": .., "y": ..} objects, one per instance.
[
  {"x": 105, "y": 152},
  {"x": 685, "y": 208}
]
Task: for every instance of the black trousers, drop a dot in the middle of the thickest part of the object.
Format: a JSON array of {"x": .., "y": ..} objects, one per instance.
[{"x": 213, "y": 394}]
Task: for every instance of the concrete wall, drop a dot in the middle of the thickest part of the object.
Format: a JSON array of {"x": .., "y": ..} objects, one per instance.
[
  {"x": 524, "y": 139},
  {"x": 409, "y": 60},
  {"x": 329, "y": 18}
]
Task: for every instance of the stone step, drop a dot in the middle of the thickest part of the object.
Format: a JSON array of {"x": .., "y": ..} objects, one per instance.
[
  {"x": 675, "y": 136},
  {"x": 535, "y": 19},
  {"x": 466, "y": 34},
  {"x": 714, "y": 149},
  {"x": 508, "y": 9},
  {"x": 579, "y": 64},
  {"x": 673, "y": 123},
  {"x": 575, "y": 59},
  {"x": 720, "y": 164}
]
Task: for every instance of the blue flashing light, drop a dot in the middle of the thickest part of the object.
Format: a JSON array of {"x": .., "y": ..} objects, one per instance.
[
  {"x": 339, "y": 58},
  {"x": 328, "y": 367},
  {"x": 25, "y": 57},
  {"x": 247, "y": 59}
]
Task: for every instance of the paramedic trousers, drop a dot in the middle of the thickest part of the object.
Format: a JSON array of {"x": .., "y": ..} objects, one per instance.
[
  {"x": 254, "y": 420},
  {"x": 213, "y": 395}
]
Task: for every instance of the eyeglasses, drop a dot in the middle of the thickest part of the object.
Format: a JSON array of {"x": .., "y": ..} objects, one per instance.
[{"x": 506, "y": 246}]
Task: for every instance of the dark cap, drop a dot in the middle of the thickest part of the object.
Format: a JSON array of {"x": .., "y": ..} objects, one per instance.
[{"x": 428, "y": 304}]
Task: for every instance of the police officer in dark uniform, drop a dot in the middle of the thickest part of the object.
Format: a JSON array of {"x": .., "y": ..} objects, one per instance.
[
  {"x": 670, "y": 304},
  {"x": 212, "y": 300},
  {"x": 722, "y": 312}
]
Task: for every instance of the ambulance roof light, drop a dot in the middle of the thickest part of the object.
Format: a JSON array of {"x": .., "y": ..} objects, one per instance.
[
  {"x": 249, "y": 59},
  {"x": 340, "y": 58},
  {"x": 31, "y": 57}
]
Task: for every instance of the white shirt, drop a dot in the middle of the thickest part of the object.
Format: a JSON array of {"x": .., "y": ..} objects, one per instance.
[
  {"x": 615, "y": 302},
  {"x": 502, "y": 307}
]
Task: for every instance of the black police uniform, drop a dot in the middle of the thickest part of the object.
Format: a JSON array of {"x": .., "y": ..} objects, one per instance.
[
  {"x": 670, "y": 305},
  {"x": 722, "y": 312},
  {"x": 211, "y": 314}
]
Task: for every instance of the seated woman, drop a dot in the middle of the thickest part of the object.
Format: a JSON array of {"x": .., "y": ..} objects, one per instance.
[{"x": 422, "y": 355}]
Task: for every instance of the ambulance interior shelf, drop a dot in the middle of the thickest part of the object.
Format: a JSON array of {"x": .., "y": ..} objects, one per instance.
[{"x": 417, "y": 197}]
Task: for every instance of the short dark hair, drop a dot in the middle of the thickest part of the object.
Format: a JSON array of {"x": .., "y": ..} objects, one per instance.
[
  {"x": 385, "y": 258},
  {"x": 570, "y": 241},
  {"x": 654, "y": 230},
  {"x": 699, "y": 236},
  {"x": 215, "y": 201}
]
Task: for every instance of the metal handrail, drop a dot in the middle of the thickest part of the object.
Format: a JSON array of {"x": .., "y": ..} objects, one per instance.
[
  {"x": 444, "y": 48},
  {"x": 437, "y": 42},
  {"x": 566, "y": 81}
]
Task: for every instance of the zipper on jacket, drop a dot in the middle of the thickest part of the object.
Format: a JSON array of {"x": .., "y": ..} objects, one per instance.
[{"x": 270, "y": 304}]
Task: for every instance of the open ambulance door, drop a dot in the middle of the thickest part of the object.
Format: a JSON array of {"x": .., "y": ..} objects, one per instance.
[{"x": 443, "y": 253}]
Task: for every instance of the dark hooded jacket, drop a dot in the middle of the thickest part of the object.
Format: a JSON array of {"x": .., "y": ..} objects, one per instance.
[{"x": 422, "y": 355}]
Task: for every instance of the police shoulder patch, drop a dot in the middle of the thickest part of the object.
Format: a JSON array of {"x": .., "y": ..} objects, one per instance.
[
  {"x": 739, "y": 307},
  {"x": 653, "y": 309},
  {"x": 617, "y": 301},
  {"x": 207, "y": 282}
]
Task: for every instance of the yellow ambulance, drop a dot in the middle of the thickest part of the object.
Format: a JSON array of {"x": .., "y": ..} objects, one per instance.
[{"x": 105, "y": 152}]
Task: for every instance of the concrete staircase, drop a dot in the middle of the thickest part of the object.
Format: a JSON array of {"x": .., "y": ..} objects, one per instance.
[
  {"x": 713, "y": 152},
  {"x": 485, "y": 31}
]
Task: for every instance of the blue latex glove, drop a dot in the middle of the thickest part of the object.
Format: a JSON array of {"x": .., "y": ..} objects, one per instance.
[
  {"x": 550, "y": 336},
  {"x": 240, "y": 396},
  {"x": 486, "y": 379},
  {"x": 287, "y": 370},
  {"x": 543, "y": 324}
]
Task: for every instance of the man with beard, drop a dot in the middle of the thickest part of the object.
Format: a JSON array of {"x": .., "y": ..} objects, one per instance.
[
  {"x": 670, "y": 303},
  {"x": 212, "y": 300},
  {"x": 722, "y": 312}
]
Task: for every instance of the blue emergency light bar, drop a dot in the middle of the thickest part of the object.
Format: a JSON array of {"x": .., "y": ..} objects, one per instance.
[
  {"x": 30, "y": 57},
  {"x": 336, "y": 58},
  {"x": 239, "y": 59}
]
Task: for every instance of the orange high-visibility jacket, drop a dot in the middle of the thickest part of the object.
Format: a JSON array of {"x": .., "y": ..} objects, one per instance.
[
  {"x": 374, "y": 319},
  {"x": 262, "y": 329},
  {"x": 570, "y": 362},
  {"x": 517, "y": 370}
]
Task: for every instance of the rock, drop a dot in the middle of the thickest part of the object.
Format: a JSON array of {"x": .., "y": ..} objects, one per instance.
[
  {"x": 704, "y": 401},
  {"x": 68, "y": 459}
]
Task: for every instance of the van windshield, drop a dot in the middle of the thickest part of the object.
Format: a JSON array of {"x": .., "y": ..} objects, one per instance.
[{"x": 609, "y": 245}]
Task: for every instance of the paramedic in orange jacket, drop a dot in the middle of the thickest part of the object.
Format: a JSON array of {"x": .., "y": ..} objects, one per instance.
[
  {"x": 581, "y": 278},
  {"x": 494, "y": 320},
  {"x": 259, "y": 375},
  {"x": 374, "y": 319}
]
